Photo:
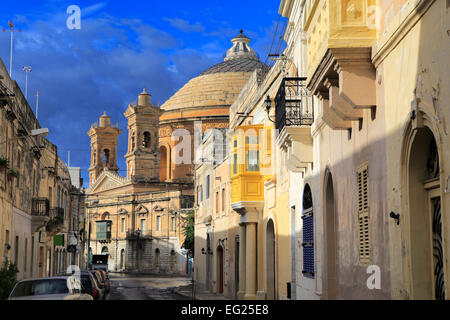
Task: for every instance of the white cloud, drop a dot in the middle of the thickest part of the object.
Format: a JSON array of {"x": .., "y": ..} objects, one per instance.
[{"x": 185, "y": 25}]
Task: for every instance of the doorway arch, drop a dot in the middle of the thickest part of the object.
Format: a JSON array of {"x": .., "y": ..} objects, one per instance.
[
  {"x": 219, "y": 277},
  {"x": 270, "y": 261},
  {"x": 208, "y": 262},
  {"x": 423, "y": 188},
  {"x": 122, "y": 259},
  {"x": 330, "y": 250}
]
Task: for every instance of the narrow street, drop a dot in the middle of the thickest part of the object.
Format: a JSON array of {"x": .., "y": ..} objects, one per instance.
[{"x": 146, "y": 287}]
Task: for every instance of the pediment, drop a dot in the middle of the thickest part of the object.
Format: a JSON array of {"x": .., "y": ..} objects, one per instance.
[{"x": 107, "y": 180}]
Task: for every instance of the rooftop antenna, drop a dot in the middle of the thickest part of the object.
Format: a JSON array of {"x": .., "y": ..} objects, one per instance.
[
  {"x": 11, "y": 27},
  {"x": 27, "y": 70},
  {"x": 37, "y": 103}
]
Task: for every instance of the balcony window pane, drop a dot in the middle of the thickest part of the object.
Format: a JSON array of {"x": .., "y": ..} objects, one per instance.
[
  {"x": 235, "y": 163},
  {"x": 252, "y": 161},
  {"x": 251, "y": 140}
]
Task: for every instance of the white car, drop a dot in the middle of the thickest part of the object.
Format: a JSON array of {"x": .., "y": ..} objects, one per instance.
[{"x": 54, "y": 288}]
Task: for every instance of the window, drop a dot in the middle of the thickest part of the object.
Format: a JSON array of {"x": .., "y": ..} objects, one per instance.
[
  {"x": 133, "y": 141},
  {"x": 6, "y": 237},
  {"x": 123, "y": 224},
  {"x": 308, "y": 233},
  {"x": 363, "y": 214},
  {"x": 217, "y": 202},
  {"x": 223, "y": 200},
  {"x": 106, "y": 156},
  {"x": 147, "y": 140},
  {"x": 201, "y": 194},
  {"x": 16, "y": 251},
  {"x": 143, "y": 227},
  {"x": 158, "y": 223},
  {"x": 207, "y": 187},
  {"x": 25, "y": 256},
  {"x": 174, "y": 226},
  {"x": 235, "y": 157},
  {"x": 252, "y": 155}
]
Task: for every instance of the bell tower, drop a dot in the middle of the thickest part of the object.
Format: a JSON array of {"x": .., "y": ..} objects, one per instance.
[
  {"x": 104, "y": 139},
  {"x": 143, "y": 137}
]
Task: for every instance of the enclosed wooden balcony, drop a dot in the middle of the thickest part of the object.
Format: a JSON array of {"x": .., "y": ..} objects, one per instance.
[{"x": 251, "y": 166}]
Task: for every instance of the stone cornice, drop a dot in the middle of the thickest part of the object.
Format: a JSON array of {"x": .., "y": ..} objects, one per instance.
[{"x": 405, "y": 22}]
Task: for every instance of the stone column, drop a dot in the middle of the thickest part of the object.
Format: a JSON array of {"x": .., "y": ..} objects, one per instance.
[
  {"x": 242, "y": 247},
  {"x": 250, "y": 261}
]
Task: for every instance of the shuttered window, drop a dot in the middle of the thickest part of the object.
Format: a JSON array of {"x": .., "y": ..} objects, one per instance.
[
  {"x": 308, "y": 234},
  {"x": 363, "y": 214}
]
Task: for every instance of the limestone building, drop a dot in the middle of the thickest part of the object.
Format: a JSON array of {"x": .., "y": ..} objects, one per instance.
[
  {"x": 35, "y": 191},
  {"x": 216, "y": 224},
  {"x": 138, "y": 219},
  {"x": 357, "y": 180}
]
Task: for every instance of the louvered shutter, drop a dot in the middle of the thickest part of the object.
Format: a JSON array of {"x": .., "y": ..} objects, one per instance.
[
  {"x": 308, "y": 244},
  {"x": 363, "y": 214}
]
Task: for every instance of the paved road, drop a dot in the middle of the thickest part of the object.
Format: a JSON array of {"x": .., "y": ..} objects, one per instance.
[{"x": 145, "y": 287}]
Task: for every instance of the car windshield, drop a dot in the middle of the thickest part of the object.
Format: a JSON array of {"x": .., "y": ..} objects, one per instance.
[{"x": 40, "y": 287}]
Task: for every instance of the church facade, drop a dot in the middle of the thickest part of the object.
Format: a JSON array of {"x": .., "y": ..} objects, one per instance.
[{"x": 137, "y": 220}]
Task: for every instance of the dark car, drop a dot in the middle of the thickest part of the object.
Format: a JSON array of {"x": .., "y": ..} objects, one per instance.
[
  {"x": 106, "y": 281},
  {"x": 91, "y": 286},
  {"x": 101, "y": 284}
]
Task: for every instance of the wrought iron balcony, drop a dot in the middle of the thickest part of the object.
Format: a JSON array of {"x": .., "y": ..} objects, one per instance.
[
  {"x": 57, "y": 215},
  {"x": 133, "y": 234},
  {"x": 187, "y": 202},
  {"x": 293, "y": 107},
  {"x": 40, "y": 207}
]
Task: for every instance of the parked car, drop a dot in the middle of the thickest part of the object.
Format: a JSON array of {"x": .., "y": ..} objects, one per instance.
[
  {"x": 106, "y": 281},
  {"x": 100, "y": 283},
  {"x": 89, "y": 285},
  {"x": 53, "y": 288}
]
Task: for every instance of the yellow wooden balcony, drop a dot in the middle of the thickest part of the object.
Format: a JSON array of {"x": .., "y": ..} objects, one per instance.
[
  {"x": 338, "y": 24},
  {"x": 250, "y": 166}
]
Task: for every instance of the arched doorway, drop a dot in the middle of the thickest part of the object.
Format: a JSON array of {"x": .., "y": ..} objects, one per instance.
[
  {"x": 156, "y": 262},
  {"x": 270, "y": 260},
  {"x": 425, "y": 217},
  {"x": 208, "y": 262},
  {"x": 122, "y": 259},
  {"x": 173, "y": 257},
  {"x": 330, "y": 261},
  {"x": 219, "y": 277}
]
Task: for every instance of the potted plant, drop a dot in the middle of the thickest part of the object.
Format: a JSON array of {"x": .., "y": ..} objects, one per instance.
[
  {"x": 4, "y": 164},
  {"x": 12, "y": 174}
]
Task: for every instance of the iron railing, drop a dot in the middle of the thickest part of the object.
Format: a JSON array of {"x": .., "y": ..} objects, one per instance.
[
  {"x": 57, "y": 215},
  {"x": 40, "y": 207},
  {"x": 133, "y": 234},
  {"x": 187, "y": 202},
  {"x": 293, "y": 105}
]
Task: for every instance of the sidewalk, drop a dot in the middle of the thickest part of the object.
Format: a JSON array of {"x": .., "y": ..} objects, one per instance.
[{"x": 187, "y": 292}]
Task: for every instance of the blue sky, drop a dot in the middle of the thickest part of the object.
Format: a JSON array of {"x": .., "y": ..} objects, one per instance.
[{"x": 122, "y": 47}]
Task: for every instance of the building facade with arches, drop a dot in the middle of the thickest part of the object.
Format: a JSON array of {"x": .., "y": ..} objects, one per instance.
[{"x": 354, "y": 201}]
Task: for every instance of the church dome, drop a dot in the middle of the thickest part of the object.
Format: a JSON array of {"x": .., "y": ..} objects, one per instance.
[{"x": 220, "y": 85}]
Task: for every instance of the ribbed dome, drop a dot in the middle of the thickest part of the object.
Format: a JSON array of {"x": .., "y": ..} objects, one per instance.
[
  {"x": 221, "y": 84},
  {"x": 215, "y": 89},
  {"x": 237, "y": 65}
]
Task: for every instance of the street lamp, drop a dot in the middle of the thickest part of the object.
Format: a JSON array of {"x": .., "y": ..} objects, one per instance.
[
  {"x": 268, "y": 106},
  {"x": 34, "y": 133}
]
